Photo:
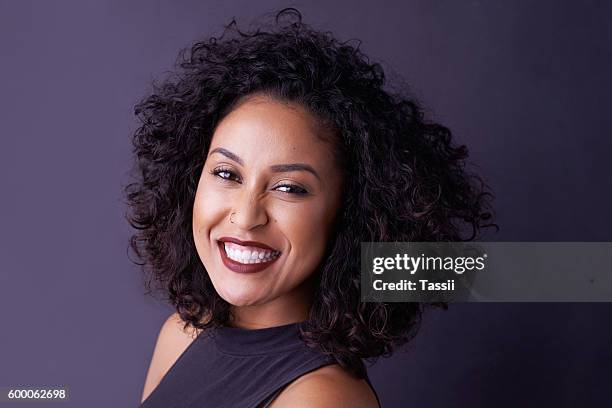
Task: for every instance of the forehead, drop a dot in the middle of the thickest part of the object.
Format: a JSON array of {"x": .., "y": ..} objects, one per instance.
[{"x": 273, "y": 130}]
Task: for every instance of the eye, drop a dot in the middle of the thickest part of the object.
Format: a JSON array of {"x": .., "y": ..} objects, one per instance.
[
  {"x": 292, "y": 189},
  {"x": 225, "y": 174}
]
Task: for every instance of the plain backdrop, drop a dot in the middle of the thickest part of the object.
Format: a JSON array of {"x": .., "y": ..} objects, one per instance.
[{"x": 524, "y": 84}]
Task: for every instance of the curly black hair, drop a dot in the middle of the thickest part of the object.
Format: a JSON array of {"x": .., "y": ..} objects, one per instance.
[{"x": 407, "y": 180}]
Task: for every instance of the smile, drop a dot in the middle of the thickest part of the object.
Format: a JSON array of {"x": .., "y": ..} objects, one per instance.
[
  {"x": 248, "y": 255},
  {"x": 246, "y": 259}
]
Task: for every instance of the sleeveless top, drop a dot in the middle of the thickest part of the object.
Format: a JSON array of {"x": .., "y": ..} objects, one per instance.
[{"x": 237, "y": 368}]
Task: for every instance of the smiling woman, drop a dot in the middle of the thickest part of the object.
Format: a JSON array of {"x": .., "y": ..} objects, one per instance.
[
  {"x": 262, "y": 165},
  {"x": 263, "y": 171}
]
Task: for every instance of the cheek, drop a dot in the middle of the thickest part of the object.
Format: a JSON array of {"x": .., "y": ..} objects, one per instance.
[
  {"x": 207, "y": 210},
  {"x": 305, "y": 228}
]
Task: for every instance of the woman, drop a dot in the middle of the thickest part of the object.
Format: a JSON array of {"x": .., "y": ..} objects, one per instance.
[{"x": 262, "y": 165}]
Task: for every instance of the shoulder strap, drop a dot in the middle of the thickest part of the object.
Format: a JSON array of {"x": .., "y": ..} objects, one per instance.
[{"x": 268, "y": 400}]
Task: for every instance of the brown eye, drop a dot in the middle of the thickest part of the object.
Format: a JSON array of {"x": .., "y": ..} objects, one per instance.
[
  {"x": 225, "y": 174},
  {"x": 292, "y": 189}
]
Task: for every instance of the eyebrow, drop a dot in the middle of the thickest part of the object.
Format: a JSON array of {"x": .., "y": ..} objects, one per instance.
[{"x": 276, "y": 168}]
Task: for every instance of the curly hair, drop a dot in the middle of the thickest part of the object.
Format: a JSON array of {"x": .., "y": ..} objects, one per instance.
[{"x": 407, "y": 180}]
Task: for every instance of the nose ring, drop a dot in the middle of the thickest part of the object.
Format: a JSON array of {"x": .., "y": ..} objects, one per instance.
[{"x": 231, "y": 222}]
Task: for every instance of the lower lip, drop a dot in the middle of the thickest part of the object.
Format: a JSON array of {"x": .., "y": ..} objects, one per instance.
[{"x": 239, "y": 267}]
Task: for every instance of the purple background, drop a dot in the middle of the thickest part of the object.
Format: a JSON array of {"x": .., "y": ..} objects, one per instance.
[{"x": 524, "y": 84}]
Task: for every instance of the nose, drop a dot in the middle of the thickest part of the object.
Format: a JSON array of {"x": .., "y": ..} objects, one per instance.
[{"x": 249, "y": 211}]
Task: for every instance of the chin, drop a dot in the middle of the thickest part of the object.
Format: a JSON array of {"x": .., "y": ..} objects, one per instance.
[{"x": 240, "y": 297}]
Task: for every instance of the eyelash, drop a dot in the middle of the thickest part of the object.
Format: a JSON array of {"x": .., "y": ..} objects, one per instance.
[{"x": 218, "y": 170}]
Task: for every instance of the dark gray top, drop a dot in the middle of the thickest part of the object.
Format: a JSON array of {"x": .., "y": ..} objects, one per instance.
[{"x": 237, "y": 368}]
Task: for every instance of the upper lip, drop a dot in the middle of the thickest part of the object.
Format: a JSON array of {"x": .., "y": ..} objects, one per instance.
[{"x": 246, "y": 243}]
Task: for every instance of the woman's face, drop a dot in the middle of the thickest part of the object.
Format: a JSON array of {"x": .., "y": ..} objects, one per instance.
[{"x": 270, "y": 179}]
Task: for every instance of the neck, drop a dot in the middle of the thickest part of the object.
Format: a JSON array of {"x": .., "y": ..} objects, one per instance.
[{"x": 292, "y": 307}]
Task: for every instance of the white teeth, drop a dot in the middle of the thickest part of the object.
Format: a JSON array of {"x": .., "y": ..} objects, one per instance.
[{"x": 247, "y": 256}]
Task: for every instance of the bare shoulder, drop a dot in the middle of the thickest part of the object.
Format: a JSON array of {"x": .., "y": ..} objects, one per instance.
[
  {"x": 171, "y": 342},
  {"x": 328, "y": 386}
]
